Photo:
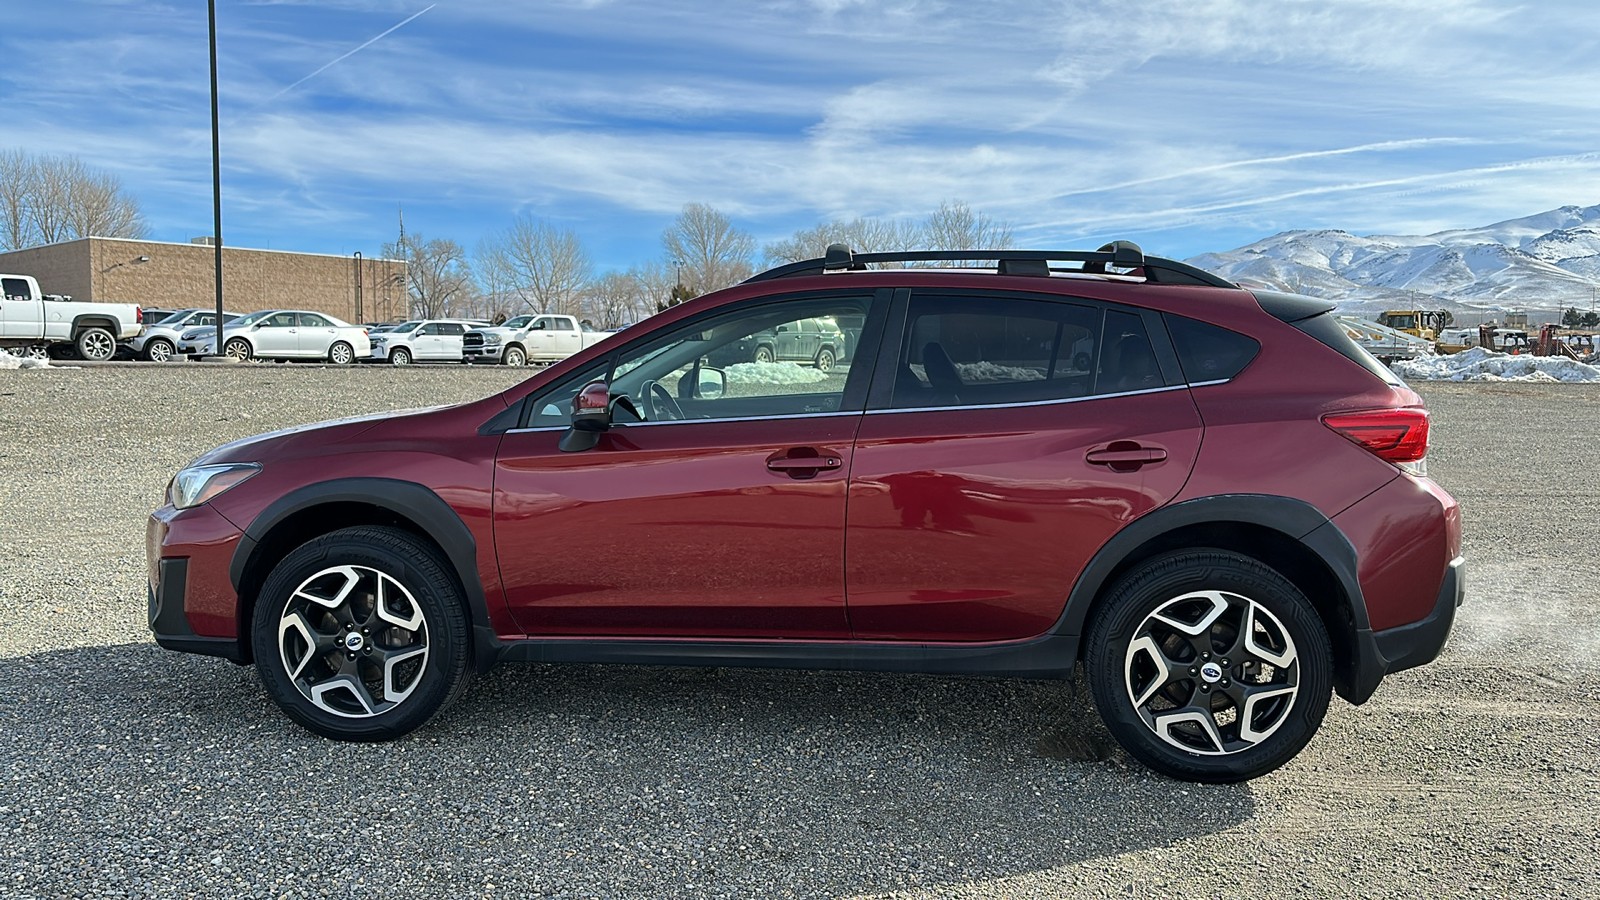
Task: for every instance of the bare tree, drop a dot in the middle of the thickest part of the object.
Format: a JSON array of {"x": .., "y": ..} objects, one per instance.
[
  {"x": 861, "y": 235},
  {"x": 545, "y": 267},
  {"x": 437, "y": 274},
  {"x": 956, "y": 226},
  {"x": 714, "y": 253},
  {"x": 46, "y": 199},
  {"x": 493, "y": 271},
  {"x": 618, "y": 299}
]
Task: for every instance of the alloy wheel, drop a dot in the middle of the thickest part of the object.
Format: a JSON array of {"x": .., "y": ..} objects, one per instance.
[
  {"x": 158, "y": 351},
  {"x": 354, "y": 641},
  {"x": 1212, "y": 672},
  {"x": 97, "y": 345}
]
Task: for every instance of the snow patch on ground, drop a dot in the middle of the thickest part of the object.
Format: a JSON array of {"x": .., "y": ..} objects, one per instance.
[
  {"x": 7, "y": 361},
  {"x": 773, "y": 373},
  {"x": 1479, "y": 364}
]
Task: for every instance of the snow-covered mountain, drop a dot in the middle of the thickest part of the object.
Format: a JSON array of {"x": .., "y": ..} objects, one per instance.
[{"x": 1542, "y": 263}]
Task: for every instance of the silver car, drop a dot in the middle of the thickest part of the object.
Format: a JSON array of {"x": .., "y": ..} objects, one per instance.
[
  {"x": 159, "y": 342},
  {"x": 284, "y": 334}
]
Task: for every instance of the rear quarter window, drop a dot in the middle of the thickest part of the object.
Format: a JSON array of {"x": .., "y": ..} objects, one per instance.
[
  {"x": 1326, "y": 329},
  {"x": 1208, "y": 352}
]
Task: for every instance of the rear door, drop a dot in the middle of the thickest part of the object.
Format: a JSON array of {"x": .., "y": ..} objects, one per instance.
[
  {"x": 450, "y": 335},
  {"x": 1007, "y": 438},
  {"x": 317, "y": 334}
]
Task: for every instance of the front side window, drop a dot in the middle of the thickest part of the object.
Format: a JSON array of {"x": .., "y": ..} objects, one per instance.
[
  {"x": 280, "y": 320},
  {"x": 975, "y": 351},
  {"x": 719, "y": 367},
  {"x": 15, "y": 289}
]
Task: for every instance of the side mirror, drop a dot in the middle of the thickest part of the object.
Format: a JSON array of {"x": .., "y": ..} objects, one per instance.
[
  {"x": 713, "y": 383},
  {"x": 591, "y": 416},
  {"x": 256, "y": 327}
]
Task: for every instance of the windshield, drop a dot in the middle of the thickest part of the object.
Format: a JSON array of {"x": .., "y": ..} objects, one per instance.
[
  {"x": 253, "y": 317},
  {"x": 406, "y": 326},
  {"x": 176, "y": 318},
  {"x": 518, "y": 322}
]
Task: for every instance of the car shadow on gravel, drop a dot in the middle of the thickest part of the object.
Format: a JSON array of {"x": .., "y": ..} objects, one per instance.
[{"x": 588, "y": 779}]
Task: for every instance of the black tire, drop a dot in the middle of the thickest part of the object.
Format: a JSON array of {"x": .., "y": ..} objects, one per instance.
[
  {"x": 297, "y": 640},
  {"x": 1283, "y": 675},
  {"x": 515, "y": 356},
  {"x": 825, "y": 360},
  {"x": 341, "y": 354},
  {"x": 159, "y": 350},
  {"x": 764, "y": 354},
  {"x": 238, "y": 348},
  {"x": 96, "y": 344},
  {"x": 400, "y": 356}
]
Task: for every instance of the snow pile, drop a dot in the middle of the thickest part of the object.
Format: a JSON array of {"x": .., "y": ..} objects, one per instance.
[
  {"x": 1479, "y": 364},
  {"x": 993, "y": 373},
  {"x": 773, "y": 373},
  {"x": 7, "y": 361}
]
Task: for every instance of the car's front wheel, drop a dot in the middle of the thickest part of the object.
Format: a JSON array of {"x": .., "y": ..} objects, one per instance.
[
  {"x": 516, "y": 356},
  {"x": 1209, "y": 666},
  {"x": 239, "y": 349},
  {"x": 158, "y": 350},
  {"x": 362, "y": 634},
  {"x": 400, "y": 356}
]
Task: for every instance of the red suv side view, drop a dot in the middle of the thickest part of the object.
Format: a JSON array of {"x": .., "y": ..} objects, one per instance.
[{"x": 1209, "y": 497}]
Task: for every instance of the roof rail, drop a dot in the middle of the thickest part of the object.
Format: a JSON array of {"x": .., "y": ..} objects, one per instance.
[{"x": 1118, "y": 254}]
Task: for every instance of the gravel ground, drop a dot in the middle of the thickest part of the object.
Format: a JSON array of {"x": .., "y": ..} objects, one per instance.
[{"x": 126, "y": 770}]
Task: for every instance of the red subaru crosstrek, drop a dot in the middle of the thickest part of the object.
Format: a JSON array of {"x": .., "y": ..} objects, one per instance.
[{"x": 1209, "y": 497}]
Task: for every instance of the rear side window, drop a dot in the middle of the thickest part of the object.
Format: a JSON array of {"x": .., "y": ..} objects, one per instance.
[
  {"x": 970, "y": 351},
  {"x": 1127, "y": 362},
  {"x": 1326, "y": 328},
  {"x": 1207, "y": 352}
]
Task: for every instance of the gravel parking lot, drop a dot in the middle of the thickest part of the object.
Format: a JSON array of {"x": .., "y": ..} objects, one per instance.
[{"x": 126, "y": 770}]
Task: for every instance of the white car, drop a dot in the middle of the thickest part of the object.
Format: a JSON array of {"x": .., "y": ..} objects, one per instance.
[
  {"x": 159, "y": 343},
  {"x": 422, "y": 340},
  {"x": 283, "y": 334}
]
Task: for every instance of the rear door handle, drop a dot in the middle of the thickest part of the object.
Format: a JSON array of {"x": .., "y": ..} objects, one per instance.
[{"x": 1125, "y": 456}]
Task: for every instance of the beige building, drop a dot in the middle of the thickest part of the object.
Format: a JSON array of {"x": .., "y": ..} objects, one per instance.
[{"x": 175, "y": 276}]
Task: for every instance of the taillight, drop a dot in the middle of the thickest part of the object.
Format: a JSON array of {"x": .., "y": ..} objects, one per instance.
[
  {"x": 138, "y": 314},
  {"x": 1397, "y": 435}
]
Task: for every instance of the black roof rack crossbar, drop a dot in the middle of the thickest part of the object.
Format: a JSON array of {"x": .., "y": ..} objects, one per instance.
[{"x": 1118, "y": 254}]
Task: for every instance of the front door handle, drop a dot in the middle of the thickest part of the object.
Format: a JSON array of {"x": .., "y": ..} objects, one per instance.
[{"x": 803, "y": 462}]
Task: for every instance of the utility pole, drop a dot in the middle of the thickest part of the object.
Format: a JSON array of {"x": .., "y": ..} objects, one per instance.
[{"x": 216, "y": 171}]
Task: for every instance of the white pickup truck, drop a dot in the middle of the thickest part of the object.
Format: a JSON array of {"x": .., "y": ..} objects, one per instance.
[
  {"x": 30, "y": 323},
  {"x": 529, "y": 339}
]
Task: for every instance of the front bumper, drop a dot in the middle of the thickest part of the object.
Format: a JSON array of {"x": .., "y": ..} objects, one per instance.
[
  {"x": 485, "y": 353},
  {"x": 193, "y": 607}
]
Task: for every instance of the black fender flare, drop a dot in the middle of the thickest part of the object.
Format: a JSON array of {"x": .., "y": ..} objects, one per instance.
[
  {"x": 407, "y": 499},
  {"x": 1294, "y": 518}
]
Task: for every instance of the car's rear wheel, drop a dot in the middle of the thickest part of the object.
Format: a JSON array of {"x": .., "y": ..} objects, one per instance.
[
  {"x": 1209, "y": 666},
  {"x": 96, "y": 344},
  {"x": 158, "y": 350},
  {"x": 516, "y": 356},
  {"x": 400, "y": 356},
  {"x": 341, "y": 354},
  {"x": 361, "y": 634},
  {"x": 239, "y": 349}
]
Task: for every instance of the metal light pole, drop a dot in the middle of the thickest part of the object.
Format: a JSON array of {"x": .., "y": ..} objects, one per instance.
[
  {"x": 216, "y": 171},
  {"x": 358, "y": 287}
]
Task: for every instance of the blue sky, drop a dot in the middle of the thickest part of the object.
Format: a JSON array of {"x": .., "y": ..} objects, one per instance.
[{"x": 1187, "y": 126}]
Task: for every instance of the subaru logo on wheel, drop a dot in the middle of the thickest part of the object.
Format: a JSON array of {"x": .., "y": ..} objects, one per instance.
[
  {"x": 352, "y": 642},
  {"x": 1211, "y": 672}
]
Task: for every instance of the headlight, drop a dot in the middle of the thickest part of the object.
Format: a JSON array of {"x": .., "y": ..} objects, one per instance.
[
  {"x": 492, "y": 338},
  {"x": 198, "y": 484}
]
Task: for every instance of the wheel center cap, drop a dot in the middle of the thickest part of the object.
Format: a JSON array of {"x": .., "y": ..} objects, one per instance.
[
  {"x": 353, "y": 641},
  {"x": 1211, "y": 672}
]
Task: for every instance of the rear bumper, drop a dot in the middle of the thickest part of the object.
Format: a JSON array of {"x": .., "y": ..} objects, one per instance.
[{"x": 1381, "y": 653}]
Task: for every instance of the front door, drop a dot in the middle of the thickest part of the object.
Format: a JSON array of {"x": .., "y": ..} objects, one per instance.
[
  {"x": 1011, "y": 439},
  {"x": 277, "y": 336},
  {"x": 718, "y": 511}
]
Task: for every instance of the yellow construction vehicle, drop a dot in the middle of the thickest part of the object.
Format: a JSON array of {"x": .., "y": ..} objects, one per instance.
[{"x": 1422, "y": 323}]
